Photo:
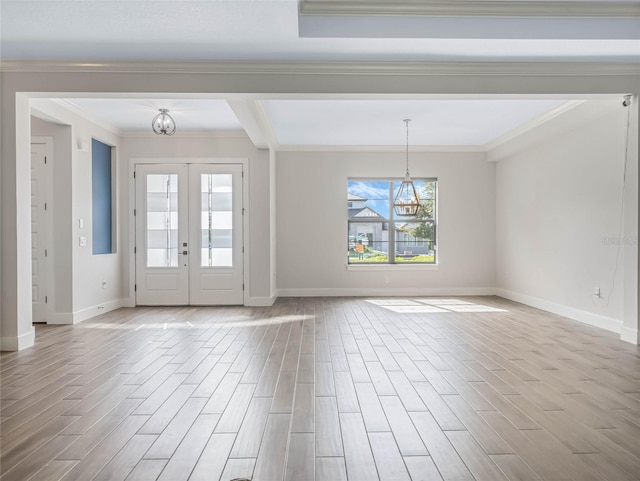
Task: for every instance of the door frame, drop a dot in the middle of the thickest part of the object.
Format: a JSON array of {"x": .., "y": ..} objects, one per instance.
[
  {"x": 49, "y": 259},
  {"x": 133, "y": 161}
]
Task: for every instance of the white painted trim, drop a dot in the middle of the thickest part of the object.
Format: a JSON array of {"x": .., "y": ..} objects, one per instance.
[
  {"x": 603, "y": 322},
  {"x": 470, "y": 8},
  {"x": 254, "y": 122},
  {"x": 578, "y": 115},
  {"x": 100, "y": 122},
  {"x": 182, "y": 133},
  {"x": 532, "y": 124},
  {"x": 128, "y": 302},
  {"x": 401, "y": 266},
  {"x": 384, "y": 292},
  {"x": 133, "y": 161},
  {"x": 381, "y": 148},
  {"x": 393, "y": 69},
  {"x": 261, "y": 301},
  {"x": 97, "y": 310},
  {"x": 246, "y": 247},
  {"x": 629, "y": 335},
  {"x": 61, "y": 318},
  {"x": 18, "y": 343}
]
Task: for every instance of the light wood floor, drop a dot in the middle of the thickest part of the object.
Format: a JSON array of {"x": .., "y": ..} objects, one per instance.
[{"x": 324, "y": 389}]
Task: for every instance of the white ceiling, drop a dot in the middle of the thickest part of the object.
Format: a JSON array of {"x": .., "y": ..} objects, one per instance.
[
  {"x": 269, "y": 30},
  {"x": 380, "y": 122},
  {"x": 266, "y": 30},
  {"x": 136, "y": 114},
  {"x": 327, "y": 122}
]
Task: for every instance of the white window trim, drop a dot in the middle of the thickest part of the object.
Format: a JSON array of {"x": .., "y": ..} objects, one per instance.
[
  {"x": 400, "y": 265},
  {"x": 392, "y": 267}
]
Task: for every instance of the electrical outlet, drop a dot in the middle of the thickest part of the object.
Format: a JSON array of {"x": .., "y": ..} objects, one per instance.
[
  {"x": 596, "y": 292},
  {"x": 104, "y": 284},
  {"x": 83, "y": 241},
  {"x": 387, "y": 280}
]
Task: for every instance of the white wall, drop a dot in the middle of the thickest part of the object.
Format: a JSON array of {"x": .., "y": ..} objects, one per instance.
[
  {"x": 558, "y": 214},
  {"x": 312, "y": 224},
  {"x": 73, "y": 183},
  {"x": 245, "y": 80},
  {"x": 182, "y": 148}
]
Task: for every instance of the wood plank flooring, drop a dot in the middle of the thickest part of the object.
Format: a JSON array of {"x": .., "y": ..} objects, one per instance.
[{"x": 340, "y": 389}]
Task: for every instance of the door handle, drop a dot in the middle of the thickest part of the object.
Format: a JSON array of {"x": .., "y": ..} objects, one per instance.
[{"x": 184, "y": 253}]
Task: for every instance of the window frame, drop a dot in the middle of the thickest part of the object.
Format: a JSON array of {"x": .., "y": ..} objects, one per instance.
[{"x": 392, "y": 220}]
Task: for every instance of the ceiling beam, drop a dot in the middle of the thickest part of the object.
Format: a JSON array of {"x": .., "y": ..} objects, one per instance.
[
  {"x": 298, "y": 70},
  {"x": 255, "y": 122},
  {"x": 469, "y": 19},
  {"x": 471, "y": 8}
]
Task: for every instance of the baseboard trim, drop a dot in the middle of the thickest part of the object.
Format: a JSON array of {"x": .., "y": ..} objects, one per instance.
[
  {"x": 129, "y": 302},
  {"x": 18, "y": 343},
  {"x": 261, "y": 301},
  {"x": 596, "y": 320},
  {"x": 387, "y": 292},
  {"x": 60, "y": 318},
  {"x": 97, "y": 310},
  {"x": 629, "y": 335},
  {"x": 65, "y": 318}
]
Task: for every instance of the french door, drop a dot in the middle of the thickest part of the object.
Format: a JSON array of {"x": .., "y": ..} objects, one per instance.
[{"x": 189, "y": 234}]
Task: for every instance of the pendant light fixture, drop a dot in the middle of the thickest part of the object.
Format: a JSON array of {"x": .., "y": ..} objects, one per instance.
[
  {"x": 407, "y": 201},
  {"x": 163, "y": 123}
]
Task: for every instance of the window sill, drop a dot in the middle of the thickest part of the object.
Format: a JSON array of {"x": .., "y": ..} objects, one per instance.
[{"x": 392, "y": 267}]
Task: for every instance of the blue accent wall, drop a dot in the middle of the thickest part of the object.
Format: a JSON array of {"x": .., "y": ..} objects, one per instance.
[{"x": 101, "y": 195}]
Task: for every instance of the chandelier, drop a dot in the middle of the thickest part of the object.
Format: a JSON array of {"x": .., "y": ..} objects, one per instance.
[
  {"x": 407, "y": 202},
  {"x": 163, "y": 123}
]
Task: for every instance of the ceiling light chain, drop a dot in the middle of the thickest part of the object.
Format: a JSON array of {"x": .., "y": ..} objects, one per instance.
[
  {"x": 407, "y": 202},
  {"x": 163, "y": 123}
]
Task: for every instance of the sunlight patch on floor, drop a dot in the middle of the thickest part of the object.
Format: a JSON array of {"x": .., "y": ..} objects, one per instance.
[
  {"x": 431, "y": 305},
  {"x": 271, "y": 321}
]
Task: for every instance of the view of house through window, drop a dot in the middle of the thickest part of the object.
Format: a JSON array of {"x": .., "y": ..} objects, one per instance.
[{"x": 378, "y": 235}]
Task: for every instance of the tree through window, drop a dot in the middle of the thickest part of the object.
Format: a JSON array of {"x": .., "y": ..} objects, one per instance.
[{"x": 375, "y": 230}]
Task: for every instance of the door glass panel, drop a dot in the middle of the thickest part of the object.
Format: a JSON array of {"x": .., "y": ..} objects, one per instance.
[
  {"x": 162, "y": 220},
  {"x": 216, "y": 220}
]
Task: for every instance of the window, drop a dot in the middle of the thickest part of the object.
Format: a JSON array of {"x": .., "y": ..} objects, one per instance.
[
  {"x": 162, "y": 220},
  {"x": 102, "y": 200},
  {"x": 375, "y": 230},
  {"x": 216, "y": 214}
]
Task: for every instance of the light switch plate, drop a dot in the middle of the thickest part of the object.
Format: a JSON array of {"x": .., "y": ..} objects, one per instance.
[
  {"x": 81, "y": 223},
  {"x": 83, "y": 241}
]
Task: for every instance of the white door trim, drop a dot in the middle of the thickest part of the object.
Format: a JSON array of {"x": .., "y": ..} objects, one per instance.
[{"x": 133, "y": 161}]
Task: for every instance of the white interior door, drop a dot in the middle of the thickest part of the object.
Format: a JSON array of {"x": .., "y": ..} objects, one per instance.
[
  {"x": 162, "y": 235},
  {"x": 40, "y": 229},
  {"x": 216, "y": 260},
  {"x": 189, "y": 234}
]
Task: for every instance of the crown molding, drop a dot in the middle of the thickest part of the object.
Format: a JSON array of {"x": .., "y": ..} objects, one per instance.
[
  {"x": 190, "y": 134},
  {"x": 533, "y": 124},
  {"x": 547, "y": 127},
  {"x": 328, "y": 68},
  {"x": 71, "y": 107},
  {"x": 470, "y": 8},
  {"x": 382, "y": 148}
]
